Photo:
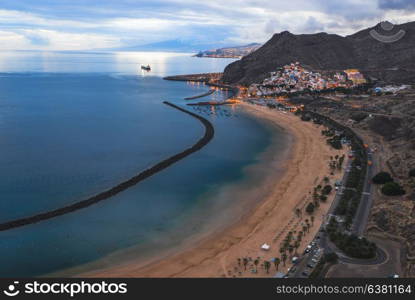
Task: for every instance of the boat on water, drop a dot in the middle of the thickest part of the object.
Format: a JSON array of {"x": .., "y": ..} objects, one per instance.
[{"x": 146, "y": 68}]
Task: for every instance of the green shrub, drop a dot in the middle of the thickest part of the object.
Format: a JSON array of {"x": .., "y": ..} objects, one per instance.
[
  {"x": 305, "y": 118},
  {"x": 392, "y": 189},
  {"x": 382, "y": 178},
  {"x": 354, "y": 246},
  {"x": 310, "y": 208},
  {"x": 359, "y": 116},
  {"x": 327, "y": 189},
  {"x": 335, "y": 142}
]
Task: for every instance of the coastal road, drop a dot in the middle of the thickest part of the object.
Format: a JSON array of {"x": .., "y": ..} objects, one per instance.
[
  {"x": 362, "y": 215},
  {"x": 321, "y": 237},
  {"x": 401, "y": 115},
  {"x": 301, "y": 269},
  {"x": 358, "y": 227}
]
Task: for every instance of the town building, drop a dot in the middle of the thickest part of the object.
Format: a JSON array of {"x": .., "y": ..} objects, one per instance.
[{"x": 294, "y": 78}]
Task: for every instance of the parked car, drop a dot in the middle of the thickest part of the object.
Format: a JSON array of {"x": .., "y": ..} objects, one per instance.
[{"x": 294, "y": 260}]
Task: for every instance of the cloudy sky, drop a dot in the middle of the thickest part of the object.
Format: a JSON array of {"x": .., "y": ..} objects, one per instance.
[{"x": 98, "y": 24}]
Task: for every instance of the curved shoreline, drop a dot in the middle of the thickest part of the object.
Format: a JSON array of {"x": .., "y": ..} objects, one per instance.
[
  {"x": 201, "y": 95},
  {"x": 215, "y": 253},
  {"x": 207, "y": 137}
]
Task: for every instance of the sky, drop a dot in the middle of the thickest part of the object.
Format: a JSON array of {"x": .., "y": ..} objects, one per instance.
[{"x": 105, "y": 24}]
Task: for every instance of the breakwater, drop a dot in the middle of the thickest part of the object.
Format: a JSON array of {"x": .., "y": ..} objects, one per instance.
[
  {"x": 201, "y": 95},
  {"x": 227, "y": 102},
  {"x": 203, "y": 77},
  {"x": 210, "y": 79},
  {"x": 207, "y": 137}
]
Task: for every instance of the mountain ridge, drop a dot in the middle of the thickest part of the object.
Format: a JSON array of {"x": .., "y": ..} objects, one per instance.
[
  {"x": 390, "y": 62},
  {"x": 231, "y": 51}
]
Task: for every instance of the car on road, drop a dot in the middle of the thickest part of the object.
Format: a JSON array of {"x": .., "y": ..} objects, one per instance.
[{"x": 311, "y": 265}]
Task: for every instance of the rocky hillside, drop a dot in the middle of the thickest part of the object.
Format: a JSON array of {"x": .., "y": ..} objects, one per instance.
[
  {"x": 237, "y": 51},
  {"x": 391, "y": 62}
]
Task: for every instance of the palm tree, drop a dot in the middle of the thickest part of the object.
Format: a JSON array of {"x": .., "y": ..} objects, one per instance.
[
  {"x": 276, "y": 263},
  {"x": 267, "y": 265},
  {"x": 284, "y": 258},
  {"x": 256, "y": 262},
  {"x": 245, "y": 261},
  {"x": 286, "y": 244},
  {"x": 290, "y": 236},
  {"x": 298, "y": 212},
  {"x": 291, "y": 250},
  {"x": 296, "y": 246}
]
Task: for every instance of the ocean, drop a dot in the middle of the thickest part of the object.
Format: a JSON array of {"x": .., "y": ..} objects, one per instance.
[{"x": 74, "y": 124}]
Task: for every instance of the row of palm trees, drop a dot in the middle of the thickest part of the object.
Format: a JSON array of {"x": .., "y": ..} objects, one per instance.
[
  {"x": 288, "y": 249},
  {"x": 266, "y": 264},
  {"x": 291, "y": 243}
]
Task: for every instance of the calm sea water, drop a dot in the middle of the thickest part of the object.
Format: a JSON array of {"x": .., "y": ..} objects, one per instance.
[{"x": 75, "y": 124}]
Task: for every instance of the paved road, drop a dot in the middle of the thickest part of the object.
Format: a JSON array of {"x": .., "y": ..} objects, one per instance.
[
  {"x": 401, "y": 115},
  {"x": 358, "y": 227},
  {"x": 307, "y": 259},
  {"x": 321, "y": 237},
  {"x": 362, "y": 214}
]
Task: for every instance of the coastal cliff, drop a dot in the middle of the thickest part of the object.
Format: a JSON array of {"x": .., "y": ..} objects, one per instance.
[{"x": 391, "y": 62}]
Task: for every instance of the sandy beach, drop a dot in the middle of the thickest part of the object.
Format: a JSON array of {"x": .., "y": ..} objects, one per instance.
[{"x": 268, "y": 222}]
